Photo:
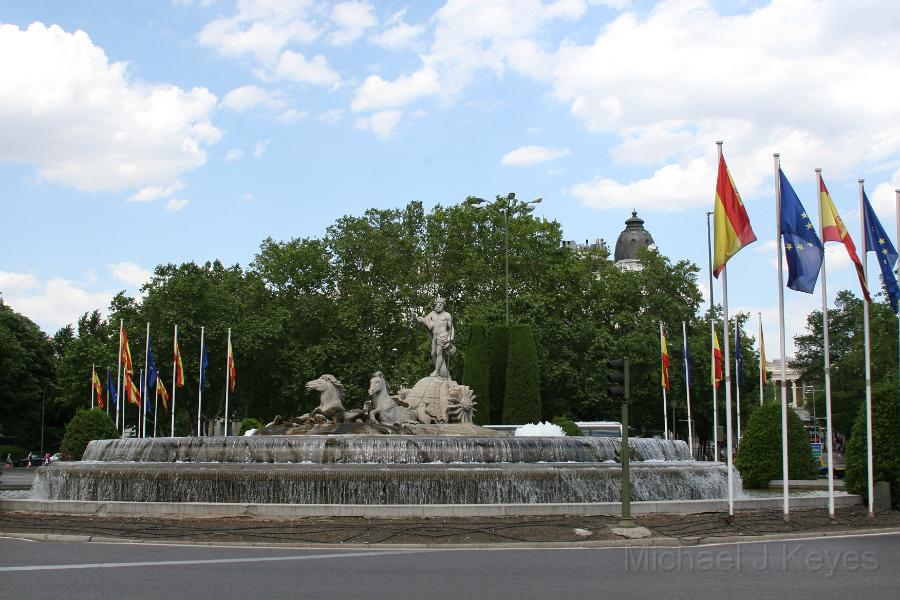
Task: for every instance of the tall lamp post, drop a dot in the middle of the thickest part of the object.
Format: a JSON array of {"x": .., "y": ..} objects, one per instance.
[{"x": 506, "y": 205}]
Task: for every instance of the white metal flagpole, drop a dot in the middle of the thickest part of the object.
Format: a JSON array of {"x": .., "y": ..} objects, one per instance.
[
  {"x": 712, "y": 343},
  {"x": 107, "y": 390},
  {"x": 738, "y": 375},
  {"x": 200, "y": 390},
  {"x": 155, "y": 403},
  {"x": 726, "y": 359},
  {"x": 119, "y": 380},
  {"x": 827, "y": 342},
  {"x": 138, "y": 432},
  {"x": 144, "y": 383},
  {"x": 687, "y": 388},
  {"x": 869, "y": 457},
  {"x": 662, "y": 384},
  {"x": 174, "y": 374},
  {"x": 91, "y": 387},
  {"x": 762, "y": 362},
  {"x": 784, "y": 452},
  {"x": 227, "y": 379}
]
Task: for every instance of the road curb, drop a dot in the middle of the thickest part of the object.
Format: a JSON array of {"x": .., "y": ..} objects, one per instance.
[{"x": 660, "y": 541}]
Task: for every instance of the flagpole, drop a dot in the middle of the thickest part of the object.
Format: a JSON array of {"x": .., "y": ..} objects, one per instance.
[
  {"x": 119, "y": 379},
  {"x": 738, "y": 363},
  {"x": 141, "y": 392},
  {"x": 144, "y": 383},
  {"x": 107, "y": 390},
  {"x": 687, "y": 389},
  {"x": 727, "y": 360},
  {"x": 93, "y": 374},
  {"x": 712, "y": 343},
  {"x": 869, "y": 458},
  {"x": 662, "y": 381},
  {"x": 784, "y": 453},
  {"x": 155, "y": 403},
  {"x": 827, "y": 342},
  {"x": 227, "y": 378},
  {"x": 200, "y": 391},
  {"x": 762, "y": 361},
  {"x": 174, "y": 374}
]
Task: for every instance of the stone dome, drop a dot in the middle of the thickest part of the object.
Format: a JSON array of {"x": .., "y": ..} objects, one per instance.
[{"x": 633, "y": 238}]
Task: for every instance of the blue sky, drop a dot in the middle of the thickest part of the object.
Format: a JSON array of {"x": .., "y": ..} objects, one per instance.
[{"x": 183, "y": 130}]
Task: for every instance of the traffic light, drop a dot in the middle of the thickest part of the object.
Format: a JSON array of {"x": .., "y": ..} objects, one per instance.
[{"x": 618, "y": 377}]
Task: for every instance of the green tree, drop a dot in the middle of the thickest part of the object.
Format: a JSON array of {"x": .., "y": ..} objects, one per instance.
[
  {"x": 85, "y": 426},
  {"x": 885, "y": 442},
  {"x": 759, "y": 457},
  {"x": 522, "y": 402},
  {"x": 498, "y": 353},
  {"x": 476, "y": 373}
]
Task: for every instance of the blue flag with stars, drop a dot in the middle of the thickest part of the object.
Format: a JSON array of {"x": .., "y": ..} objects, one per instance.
[
  {"x": 802, "y": 247},
  {"x": 878, "y": 242},
  {"x": 150, "y": 380},
  {"x": 112, "y": 389}
]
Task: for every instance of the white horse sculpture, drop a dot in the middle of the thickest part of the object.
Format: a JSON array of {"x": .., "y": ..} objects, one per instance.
[
  {"x": 330, "y": 399},
  {"x": 384, "y": 408}
]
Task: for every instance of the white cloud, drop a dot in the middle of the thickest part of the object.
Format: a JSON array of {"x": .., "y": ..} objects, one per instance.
[
  {"x": 262, "y": 28},
  {"x": 154, "y": 192},
  {"x": 530, "y": 155},
  {"x": 381, "y": 123},
  {"x": 234, "y": 154},
  {"x": 332, "y": 116},
  {"x": 52, "y": 304},
  {"x": 292, "y": 115},
  {"x": 74, "y": 115},
  {"x": 176, "y": 204},
  {"x": 293, "y": 66},
  {"x": 398, "y": 35},
  {"x": 132, "y": 275},
  {"x": 376, "y": 93},
  {"x": 352, "y": 19},
  {"x": 244, "y": 98},
  {"x": 260, "y": 148},
  {"x": 671, "y": 188}
]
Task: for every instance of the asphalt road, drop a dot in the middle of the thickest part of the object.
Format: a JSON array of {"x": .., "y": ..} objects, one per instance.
[{"x": 846, "y": 567}]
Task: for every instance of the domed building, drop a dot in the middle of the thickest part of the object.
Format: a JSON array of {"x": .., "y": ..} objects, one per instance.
[{"x": 632, "y": 239}]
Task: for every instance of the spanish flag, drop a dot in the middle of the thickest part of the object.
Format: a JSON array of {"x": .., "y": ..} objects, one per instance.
[
  {"x": 833, "y": 230},
  {"x": 163, "y": 393},
  {"x": 126, "y": 355},
  {"x": 232, "y": 371},
  {"x": 665, "y": 357},
  {"x": 732, "y": 225},
  {"x": 98, "y": 389},
  {"x": 131, "y": 391},
  {"x": 179, "y": 368},
  {"x": 717, "y": 356}
]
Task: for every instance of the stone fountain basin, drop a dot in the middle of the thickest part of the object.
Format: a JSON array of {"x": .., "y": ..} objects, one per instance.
[{"x": 259, "y": 483}]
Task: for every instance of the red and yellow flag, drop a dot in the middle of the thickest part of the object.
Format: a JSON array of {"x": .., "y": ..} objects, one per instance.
[
  {"x": 717, "y": 358},
  {"x": 665, "y": 357},
  {"x": 98, "y": 389},
  {"x": 833, "y": 230},
  {"x": 161, "y": 389},
  {"x": 179, "y": 368},
  {"x": 131, "y": 391},
  {"x": 731, "y": 223},
  {"x": 232, "y": 371},
  {"x": 126, "y": 355}
]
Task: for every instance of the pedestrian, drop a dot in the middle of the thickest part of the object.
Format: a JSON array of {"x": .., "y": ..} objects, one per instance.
[
  {"x": 8, "y": 460},
  {"x": 30, "y": 459}
]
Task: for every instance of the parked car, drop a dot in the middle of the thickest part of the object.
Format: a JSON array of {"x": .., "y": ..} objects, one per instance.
[{"x": 36, "y": 461}]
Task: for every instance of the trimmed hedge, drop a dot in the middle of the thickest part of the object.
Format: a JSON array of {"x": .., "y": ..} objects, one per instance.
[
  {"x": 885, "y": 440},
  {"x": 249, "y": 423},
  {"x": 568, "y": 425},
  {"x": 498, "y": 351},
  {"x": 85, "y": 426},
  {"x": 522, "y": 402},
  {"x": 759, "y": 454},
  {"x": 476, "y": 373}
]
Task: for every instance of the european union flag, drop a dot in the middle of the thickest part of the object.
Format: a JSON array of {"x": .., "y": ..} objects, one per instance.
[
  {"x": 204, "y": 362},
  {"x": 112, "y": 389},
  {"x": 877, "y": 241},
  {"x": 802, "y": 247},
  {"x": 150, "y": 381}
]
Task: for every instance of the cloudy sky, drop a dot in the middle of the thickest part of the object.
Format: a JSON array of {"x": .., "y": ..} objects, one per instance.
[{"x": 188, "y": 130}]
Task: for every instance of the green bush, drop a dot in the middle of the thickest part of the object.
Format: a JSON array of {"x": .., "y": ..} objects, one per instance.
[
  {"x": 568, "y": 425},
  {"x": 522, "y": 402},
  {"x": 498, "y": 350},
  {"x": 476, "y": 373},
  {"x": 249, "y": 423},
  {"x": 759, "y": 454},
  {"x": 885, "y": 440},
  {"x": 85, "y": 426}
]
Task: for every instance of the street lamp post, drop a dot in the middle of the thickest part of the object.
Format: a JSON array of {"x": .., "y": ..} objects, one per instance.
[{"x": 509, "y": 204}]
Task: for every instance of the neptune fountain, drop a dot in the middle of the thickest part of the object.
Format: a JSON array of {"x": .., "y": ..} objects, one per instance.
[{"x": 416, "y": 447}]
